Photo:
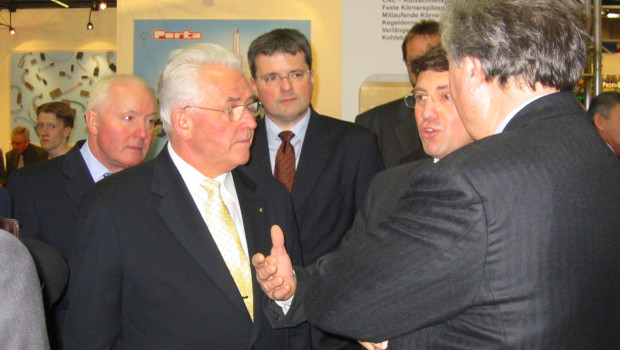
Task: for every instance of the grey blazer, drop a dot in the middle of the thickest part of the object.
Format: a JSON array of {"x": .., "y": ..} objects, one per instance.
[{"x": 22, "y": 322}]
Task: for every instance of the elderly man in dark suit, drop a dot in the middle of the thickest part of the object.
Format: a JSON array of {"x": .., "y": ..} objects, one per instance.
[
  {"x": 394, "y": 122},
  {"x": 332, "y": 161},
  {"x": 160, "y": 259},
  {"x": 512, "y": 241},
  {"x": 23, "y": 152},
  {"x": 120, "y": 118}
]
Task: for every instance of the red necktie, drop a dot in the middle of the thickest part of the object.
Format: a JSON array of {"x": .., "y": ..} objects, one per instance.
[{"x": 285, "y": 161}]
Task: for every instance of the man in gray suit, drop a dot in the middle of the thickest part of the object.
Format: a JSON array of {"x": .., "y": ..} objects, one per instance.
[
  {"x": 512, "y": 241},
  {"x": 393, "y": 122},
  {"x": 22, "y": 323}
]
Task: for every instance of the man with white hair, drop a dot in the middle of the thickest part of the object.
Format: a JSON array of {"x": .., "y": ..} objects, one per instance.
[{"x": 160, "y": 259}]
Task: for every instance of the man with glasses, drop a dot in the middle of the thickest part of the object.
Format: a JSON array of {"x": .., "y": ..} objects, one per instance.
[
  {"x": 394, "y": 122},
  {"x": 331, "y": 163},
  {"x": 161, "y": 255}
]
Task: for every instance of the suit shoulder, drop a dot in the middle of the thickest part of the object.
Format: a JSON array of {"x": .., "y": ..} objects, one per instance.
[
  {"x": 397, "y": 173},
  {"x": 41, "y": 170},
  {"x": 383, "y": 111},
  {"x": 342, "y": 127}
]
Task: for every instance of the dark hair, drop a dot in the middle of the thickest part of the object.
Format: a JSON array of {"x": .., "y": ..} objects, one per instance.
[
  {"x": 282, "y": 40},
  {"x": 531, "y": 41},
  {"x": 61, "y": 110},
  {"x": 425, "y": 27},
  {"x": 603, "y": 104},
  {"x": 435, "y": 59}
]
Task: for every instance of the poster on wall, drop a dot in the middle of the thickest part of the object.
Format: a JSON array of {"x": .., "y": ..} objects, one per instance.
[
  {"x": 154, "y": 40},
  {"x": 372, "y": 34},
  {"x": 46, "y": 76}
]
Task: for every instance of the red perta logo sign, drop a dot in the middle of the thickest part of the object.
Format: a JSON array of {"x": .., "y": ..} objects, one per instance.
[{"x": 161, "y": 34}]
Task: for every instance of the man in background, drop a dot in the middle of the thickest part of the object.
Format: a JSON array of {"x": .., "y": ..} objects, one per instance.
[
  {"x": 604, "y": 112},
  {"x": 120, "y": 117},
  {"x": 160, "y": 259},
  {"x": 394, "y": 122},
  {"x": 511, "y": 241},
  {"x": 23, "y": 152},
  {"x": 327, "y": 164},
  {"x": 441, "y": 131}
]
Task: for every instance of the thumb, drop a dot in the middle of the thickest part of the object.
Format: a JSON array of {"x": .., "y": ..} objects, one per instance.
[{"x": 277, "y": 239}]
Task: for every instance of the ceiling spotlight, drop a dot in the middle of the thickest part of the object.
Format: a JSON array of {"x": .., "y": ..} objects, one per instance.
[
  {"x": 103, "y": 5},
  {"x": 90, "y": 26}
]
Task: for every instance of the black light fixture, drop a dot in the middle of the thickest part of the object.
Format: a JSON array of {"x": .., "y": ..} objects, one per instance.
[
  {"x": 11, "y": 29},
  {"x": 93, "y": 7}
]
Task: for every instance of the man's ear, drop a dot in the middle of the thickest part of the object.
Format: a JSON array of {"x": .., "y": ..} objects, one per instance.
[
  {"x": 598, "y": 121},
  {"x": 92, "y": 121},
  {"x": 253, "y": 83},
  {"x": 182, "y": 123},
  {"x": 474, "y": 74}
]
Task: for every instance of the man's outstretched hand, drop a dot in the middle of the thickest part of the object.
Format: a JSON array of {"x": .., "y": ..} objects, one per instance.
[{"x": 275, "y": 272}]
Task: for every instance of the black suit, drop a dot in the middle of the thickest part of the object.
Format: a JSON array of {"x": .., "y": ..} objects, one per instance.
[
  {"x": 146, "y": 273},
  {"x": 32, "y": 154},
  {"x": 510, "y": 242},
  {"x": 396, "y": 130},
  {"x": 337, "y": 162},
  {"x": 46, "y": 199}
]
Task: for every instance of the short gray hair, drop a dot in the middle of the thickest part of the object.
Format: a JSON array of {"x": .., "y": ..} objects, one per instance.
[
  {"x": 178, "y": 85},
  {"x": 534, "y": 41},
  {"x": 603, "y": 104},
  {"x": 99, "y": 92}
]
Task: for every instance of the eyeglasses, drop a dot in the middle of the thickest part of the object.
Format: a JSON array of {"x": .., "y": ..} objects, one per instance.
[
  {"x": 420, "y": 99},
  {"x": 294, "y": 76},
  {"x": 235, "y": 112}
]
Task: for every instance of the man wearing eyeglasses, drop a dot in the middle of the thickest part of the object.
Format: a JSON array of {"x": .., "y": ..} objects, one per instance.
[
  {"x": 161, "y": 255},
  {"x": 331, "y": 161}
]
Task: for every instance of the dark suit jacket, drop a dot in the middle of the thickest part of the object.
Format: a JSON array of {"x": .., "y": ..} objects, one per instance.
[
  {"x": 337, "y": 162},
  {"x": 46, "y": 198},
  {"x": 510, "y": 242},
  {"x": 32, "y": 154},
  {"x": 378, "y": 205},
  {"x": 396, "y": 129},
  {"x": 146, "y": 273}
]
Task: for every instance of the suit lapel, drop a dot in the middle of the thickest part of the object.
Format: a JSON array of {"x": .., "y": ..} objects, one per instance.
[
  {"x": 255, "y": 224},
  {"x": 315, "y": 153},
  {"x": 178, "y": 211},
  {"x": 78, "y": 177}
]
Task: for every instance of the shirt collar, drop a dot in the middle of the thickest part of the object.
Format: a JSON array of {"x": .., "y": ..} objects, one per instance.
[
  {"x": 298, "y": 129},
  {"x": 95, "y": 168},
  {"x": 194, "y": 178}
]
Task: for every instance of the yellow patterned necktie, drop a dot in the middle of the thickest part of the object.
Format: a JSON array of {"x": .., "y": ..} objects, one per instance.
[{"x": 226, "y": 237}]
